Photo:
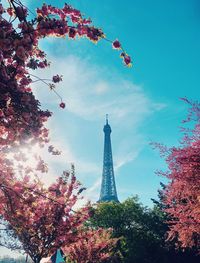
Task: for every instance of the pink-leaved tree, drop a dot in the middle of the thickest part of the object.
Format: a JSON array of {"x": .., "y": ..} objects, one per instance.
[
  {"x": 182, "y": 194},
  {"x": 41, "y": 218}
]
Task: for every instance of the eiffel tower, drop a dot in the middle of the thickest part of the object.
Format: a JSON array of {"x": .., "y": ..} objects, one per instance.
[{"x": 108, "y": 187}]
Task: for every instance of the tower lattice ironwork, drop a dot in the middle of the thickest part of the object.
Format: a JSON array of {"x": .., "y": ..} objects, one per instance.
[{"x": 108, "y": 187}]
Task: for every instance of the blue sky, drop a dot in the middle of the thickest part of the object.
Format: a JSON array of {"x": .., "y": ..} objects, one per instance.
[
  {"x": 143, "y": 103},
  {"x": 163, "y": 39}
]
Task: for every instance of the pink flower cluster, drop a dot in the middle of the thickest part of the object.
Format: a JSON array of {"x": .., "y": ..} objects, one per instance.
[
  {"x": 126, "y": 58},
  {"x": 57, "y": 78}
]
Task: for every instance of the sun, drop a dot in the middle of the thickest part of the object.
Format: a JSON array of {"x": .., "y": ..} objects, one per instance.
[{"x": 27, "y": 160}]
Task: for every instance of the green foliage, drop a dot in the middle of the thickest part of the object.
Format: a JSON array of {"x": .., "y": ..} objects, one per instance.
[{"x": 142, "y": 232}]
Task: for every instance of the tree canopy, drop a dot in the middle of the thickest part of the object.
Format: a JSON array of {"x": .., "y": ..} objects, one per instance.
[
  {"x": 142, "y": 232},
  {"x": 181, "y": 194},
  {"x": 38, "y": 218}
]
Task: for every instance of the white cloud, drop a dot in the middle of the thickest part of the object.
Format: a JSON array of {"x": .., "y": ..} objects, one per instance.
[
  {"x": 101, "y": 88},
  {"x": 90, "y": 94}
]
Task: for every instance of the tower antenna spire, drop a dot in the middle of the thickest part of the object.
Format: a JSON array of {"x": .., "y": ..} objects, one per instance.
[{"x": 106, "y": 118}]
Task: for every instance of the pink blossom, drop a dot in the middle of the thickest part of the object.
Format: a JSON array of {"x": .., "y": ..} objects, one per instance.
[
  {"x": 72, "y": 33},
  {"x": 116, "y": 44},
  {"x": 57, "y": 78},
  {"x": 127, "y": 60},
  {"x": 1, "y": 113},
  {"x": 21, "y": 53},
  {"x": 10, "y": 11},
  {"x": 62, "y": 105}
]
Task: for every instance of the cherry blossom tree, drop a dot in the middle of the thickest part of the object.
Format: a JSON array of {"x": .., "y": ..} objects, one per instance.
[
  {"x": 181, "y": 196},
  {"x": 38, "y": 218},
  {"x": 91, "y": 246},
  {"x": 21, "y": 116}
]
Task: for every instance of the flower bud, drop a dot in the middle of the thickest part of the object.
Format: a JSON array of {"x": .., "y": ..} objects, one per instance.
[
  {"x": 116, "y": 44},
  {"x": 62, "y": 105}
]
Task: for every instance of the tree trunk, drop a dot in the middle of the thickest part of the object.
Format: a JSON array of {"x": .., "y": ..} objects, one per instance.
[{"x": 37, "y": 259}]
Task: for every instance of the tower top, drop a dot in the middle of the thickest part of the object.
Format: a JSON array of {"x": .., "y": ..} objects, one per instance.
[{"x": 107, "y": 128}]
